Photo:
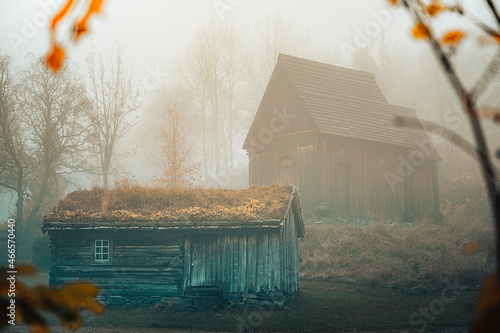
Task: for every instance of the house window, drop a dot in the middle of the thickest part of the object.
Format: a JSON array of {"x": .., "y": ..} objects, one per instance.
[
  {"x": 285, "y": 170},
  {"x": 101, "y": 250}
]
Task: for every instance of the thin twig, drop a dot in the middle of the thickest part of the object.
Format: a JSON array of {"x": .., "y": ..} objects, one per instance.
[
  {"x": 469, "y": 106},
  {"x": 444, "y": 132},
  {"x": 488, "y": 75},
  {"x": 494, "y": 10}
]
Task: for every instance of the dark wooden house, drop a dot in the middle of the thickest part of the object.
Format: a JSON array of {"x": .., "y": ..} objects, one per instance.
[
  {"x": 330, "y": 131},
  {"x": 188, "y": 246}
]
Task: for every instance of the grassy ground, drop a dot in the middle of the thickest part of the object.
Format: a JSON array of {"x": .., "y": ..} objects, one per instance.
[
  {"x": 416, "y": 257},
  {"x": 319, "y": 307},
  {"x": 347, "y": 272}
]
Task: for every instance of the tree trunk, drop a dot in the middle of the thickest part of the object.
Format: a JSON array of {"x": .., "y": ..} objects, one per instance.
[{"x": 25, "y": 235}]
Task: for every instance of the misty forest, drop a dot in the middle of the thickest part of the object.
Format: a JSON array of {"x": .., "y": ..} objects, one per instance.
[{"x": 237, "y": 166}]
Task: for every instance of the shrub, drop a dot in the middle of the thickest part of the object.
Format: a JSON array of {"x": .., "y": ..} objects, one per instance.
[{"x": 41, "y": 252}]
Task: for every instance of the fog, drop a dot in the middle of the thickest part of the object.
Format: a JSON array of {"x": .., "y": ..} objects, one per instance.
[
  {"x": 163, "y": 105},
  {"x": 157, "y": 37}
]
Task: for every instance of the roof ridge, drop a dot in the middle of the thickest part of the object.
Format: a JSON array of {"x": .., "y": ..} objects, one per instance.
[{"x": 283, "y": 56}]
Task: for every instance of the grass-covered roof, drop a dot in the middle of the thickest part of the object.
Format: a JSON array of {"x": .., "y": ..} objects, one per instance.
[{"x": 160, "y": 205}]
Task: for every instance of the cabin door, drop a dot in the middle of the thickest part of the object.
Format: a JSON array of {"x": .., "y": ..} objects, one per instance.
[
  {"x": 342, "y": 187},
  {"x": 203, "y": 262}
]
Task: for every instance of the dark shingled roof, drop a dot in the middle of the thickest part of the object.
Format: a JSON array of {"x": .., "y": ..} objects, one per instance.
[
  {"x": 349, "y": 103},
  {"x": 160, "y": 208}
]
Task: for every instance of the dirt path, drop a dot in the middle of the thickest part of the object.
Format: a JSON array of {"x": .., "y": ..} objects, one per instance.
[{"x": 23, "y": 329}]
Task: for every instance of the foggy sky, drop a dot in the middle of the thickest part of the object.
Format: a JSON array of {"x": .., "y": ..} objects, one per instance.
[{"x": 153, "y": 33}]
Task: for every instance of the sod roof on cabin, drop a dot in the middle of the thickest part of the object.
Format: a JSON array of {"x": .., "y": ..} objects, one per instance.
[{"x": 140, "y": 205}]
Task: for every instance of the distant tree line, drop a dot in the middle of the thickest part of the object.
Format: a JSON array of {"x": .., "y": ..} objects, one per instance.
[{"x": 52, "y": 128}]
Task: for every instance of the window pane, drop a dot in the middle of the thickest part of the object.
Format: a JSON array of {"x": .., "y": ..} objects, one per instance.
[{"x": 101, "y": 250}]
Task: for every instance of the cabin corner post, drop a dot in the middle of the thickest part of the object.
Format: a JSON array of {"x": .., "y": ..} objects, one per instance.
[
  {"x": 52, "y": 258},
  {"x": 409, "y": 214},
  {"x": 187, "y": 264},
  {"x": 252, "y": 179},
  {"x": 438, "y": 216}
]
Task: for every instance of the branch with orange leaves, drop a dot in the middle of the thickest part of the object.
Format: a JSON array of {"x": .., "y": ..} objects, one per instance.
[
  {"x": 422, "y": 14},
  {"x": 488, "y": 308},
  {"x": 56, "y": 57},
  {"x": 65, "y": 302}
]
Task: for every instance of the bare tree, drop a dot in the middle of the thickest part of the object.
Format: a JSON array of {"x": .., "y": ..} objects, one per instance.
[
  {"x": 178, "y": 170},
  {"x": 213, "y": 71},
  {"x": 114, "y": 99},
  {"x": 275, "y": 35},
  {"x": 16, "y": 165},
  {"x": 52, "y": 110}
]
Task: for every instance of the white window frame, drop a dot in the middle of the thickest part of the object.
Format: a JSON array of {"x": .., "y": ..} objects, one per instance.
[{"x": 99, "y": 250}]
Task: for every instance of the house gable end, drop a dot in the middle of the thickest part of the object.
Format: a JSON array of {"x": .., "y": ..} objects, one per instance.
[
  {"x": 349, "y": 103},
  {"x": 281, "y": 112}
]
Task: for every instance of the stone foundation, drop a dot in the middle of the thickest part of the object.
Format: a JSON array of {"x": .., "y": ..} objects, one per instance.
[{"x": 203, "y": 303}]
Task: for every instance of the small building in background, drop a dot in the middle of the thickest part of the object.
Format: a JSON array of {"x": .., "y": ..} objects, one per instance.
[
  {"x": 197, "y": 247},
  {"x": 330, "y": 131}
]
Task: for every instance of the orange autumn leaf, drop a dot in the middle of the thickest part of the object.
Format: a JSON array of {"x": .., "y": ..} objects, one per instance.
[
  {"x": 472, "y": 247},
  {"x": 56, "y": 58},
  {"x": 68, "y": 300},
  {"x": 496, "y": 118},
  {"x": 496, "y": 36},
  {"x": 420, "y": 31},
  {"x": 61, "y": 14},
  {"x": 434, "y": 8},
  {"x": 26, "y": 269},
  {"x": 486, "y": 112},
  {"x": 488, "y": 307},
  {"x": 38, "y": 328},
  {"x": 81, "y": 26},
  {"x": 453, "y": 37}
]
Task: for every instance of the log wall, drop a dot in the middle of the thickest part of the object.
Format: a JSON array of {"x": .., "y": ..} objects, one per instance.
[
  {"x": 142, "y": 263},
  {"x": 146, "y": 267}
]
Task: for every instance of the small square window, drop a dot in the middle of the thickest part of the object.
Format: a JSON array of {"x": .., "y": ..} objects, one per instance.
[{"x": 101, "y": 250}]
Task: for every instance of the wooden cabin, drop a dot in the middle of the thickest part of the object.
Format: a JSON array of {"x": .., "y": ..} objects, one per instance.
[
  {"x": 188, "y": 246},
  {"x": 330, "y": 131}
]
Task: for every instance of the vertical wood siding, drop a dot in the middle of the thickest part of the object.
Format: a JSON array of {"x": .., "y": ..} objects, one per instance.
[
  {"x": 244, "y": 262},
  {"x": 351, "y": 178}
]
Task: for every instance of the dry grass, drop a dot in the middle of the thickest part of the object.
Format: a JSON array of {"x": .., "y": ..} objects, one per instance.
[
  {"x": 139, "y": 203},
  {"x": 417, "y": 257},
  {"x": 420, "y": 256}
]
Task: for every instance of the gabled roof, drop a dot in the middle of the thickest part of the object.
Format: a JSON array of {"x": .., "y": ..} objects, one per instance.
[
  {"x": 141, "y": 207},
  {"x": 347, "y": 102}
]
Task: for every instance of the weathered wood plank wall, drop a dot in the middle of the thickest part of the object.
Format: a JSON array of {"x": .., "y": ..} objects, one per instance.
[
  {"x": 143, "y": 263},
  {"x": 244, "y": 261},
  {"x": 352, "y": 179}
]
